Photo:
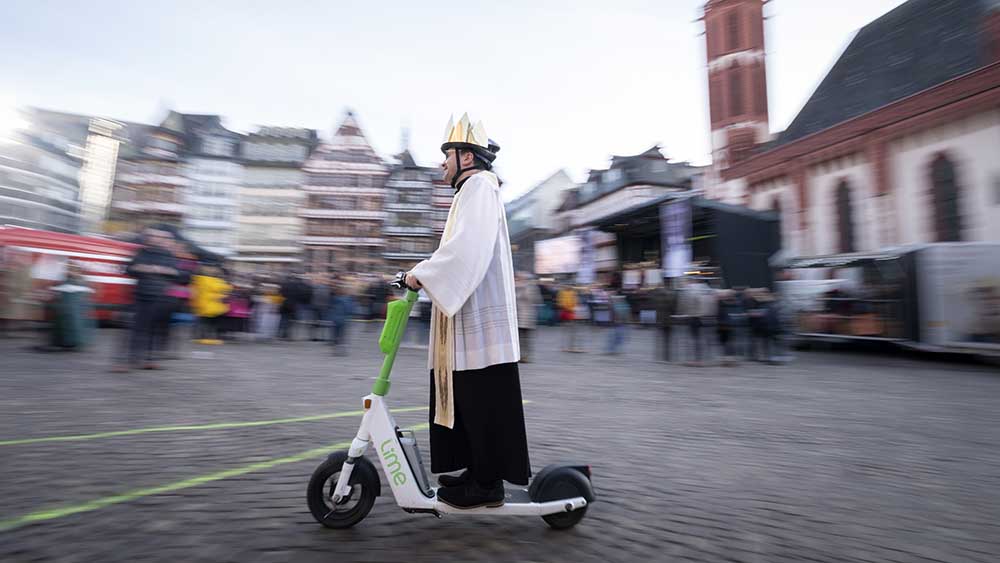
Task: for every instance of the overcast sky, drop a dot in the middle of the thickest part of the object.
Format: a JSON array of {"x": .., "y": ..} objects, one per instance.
[{"x": 558, "y": 84}]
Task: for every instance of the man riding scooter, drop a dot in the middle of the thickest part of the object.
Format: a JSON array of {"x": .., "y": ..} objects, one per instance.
[{"x": 475, "y": 404}]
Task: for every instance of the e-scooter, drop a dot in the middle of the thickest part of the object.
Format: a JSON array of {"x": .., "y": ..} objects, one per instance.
[{"x": 343, "y": 488}]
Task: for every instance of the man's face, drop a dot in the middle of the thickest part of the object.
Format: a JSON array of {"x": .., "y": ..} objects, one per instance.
[{"x": 449, "y": 167}]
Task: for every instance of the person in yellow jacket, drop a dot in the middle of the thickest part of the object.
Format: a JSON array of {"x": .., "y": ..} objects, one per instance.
[
  {"x": 208, "y": 295},
  {"x": 567, "y": 301}
]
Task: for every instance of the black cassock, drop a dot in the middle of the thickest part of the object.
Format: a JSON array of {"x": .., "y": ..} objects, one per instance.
[{"x": 488, "y": 436}]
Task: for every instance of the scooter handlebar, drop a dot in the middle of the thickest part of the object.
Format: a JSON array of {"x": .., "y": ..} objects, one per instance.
[{"x": 400, "y": 282}]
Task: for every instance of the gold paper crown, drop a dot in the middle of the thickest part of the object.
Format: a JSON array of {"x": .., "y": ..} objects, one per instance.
[{"x": 464, "y": 132}]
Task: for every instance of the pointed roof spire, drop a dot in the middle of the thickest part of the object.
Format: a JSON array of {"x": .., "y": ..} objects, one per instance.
[{"x": 349, "y": 126}]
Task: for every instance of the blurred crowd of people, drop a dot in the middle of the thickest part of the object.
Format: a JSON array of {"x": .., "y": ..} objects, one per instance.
[
  {"x": 698, "y": 324},
  {"x": 180, "y": 296},
  {"x": 177, "y": 293}
]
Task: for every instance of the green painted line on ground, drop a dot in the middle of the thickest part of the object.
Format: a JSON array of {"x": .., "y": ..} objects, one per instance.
[
  {"x": 97, "y": 504},
  {"x": 193, "y": 427}
]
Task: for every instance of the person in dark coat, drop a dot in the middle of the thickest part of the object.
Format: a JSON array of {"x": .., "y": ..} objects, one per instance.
[
  {"x": 177, "y": 302},
  {"x": 320, "y": 305},
  {"x": 728, "y": 323},
  {"x": 753, "y": 312},
  {"x": 154, "y": 268},
  {"x": 770, "y": 325},
  {"x": 296, "y": 299},
  {"x": 341, "y": 309},
  {"x": 666, "y": 308},
  {"x": 376, "y": 312}
]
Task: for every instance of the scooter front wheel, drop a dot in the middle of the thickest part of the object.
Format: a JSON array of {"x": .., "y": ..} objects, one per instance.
[{"x": 350, "y": 510}]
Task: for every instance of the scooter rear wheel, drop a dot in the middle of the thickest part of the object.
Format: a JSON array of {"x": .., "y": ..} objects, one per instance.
[
  {"x": 349, "y": 511},
  {"x": 563, "y": 487}
]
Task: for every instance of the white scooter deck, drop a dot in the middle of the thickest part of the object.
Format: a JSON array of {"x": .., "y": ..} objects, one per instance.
[{"x": 518, "y": 503}]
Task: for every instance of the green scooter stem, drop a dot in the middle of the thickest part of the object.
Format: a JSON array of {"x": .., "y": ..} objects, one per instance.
[{"x": 397, "y": 313}]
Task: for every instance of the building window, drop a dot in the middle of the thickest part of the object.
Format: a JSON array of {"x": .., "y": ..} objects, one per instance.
[
  {"x": 715, "y": 98},
  {"x": 716, "y": 39},
  {"x": 733, "y": 25},
  {"x": 947, "y": 215},
  {"x": 845, "y": 218},
  {"x": 736, "y": 91},
  {"x": 759, "y": 90}
]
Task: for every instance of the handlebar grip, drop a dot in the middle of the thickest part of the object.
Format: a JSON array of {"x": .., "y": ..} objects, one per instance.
[{"x": 400, "y": 282}]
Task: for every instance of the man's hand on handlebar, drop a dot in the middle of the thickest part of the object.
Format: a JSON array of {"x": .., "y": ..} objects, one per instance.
[{"x": 406, "y": 280}]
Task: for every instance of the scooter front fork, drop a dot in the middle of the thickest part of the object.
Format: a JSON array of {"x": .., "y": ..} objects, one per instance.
[{"x": 343, "y": 489}]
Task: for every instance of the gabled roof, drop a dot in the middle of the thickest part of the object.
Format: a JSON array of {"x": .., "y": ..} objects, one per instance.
[
  {"x": 652, "y": 153},
  {"x": 648, "y": 167},
  {"x": 348, "y": 145},
  {"x": 349, "y": 126},
  {"x": 916, "y": 46},
  {"x": 406, "y": 159}
]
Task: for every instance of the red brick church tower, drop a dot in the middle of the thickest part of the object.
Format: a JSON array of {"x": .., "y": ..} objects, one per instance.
[{"x": 737, "y": 79}]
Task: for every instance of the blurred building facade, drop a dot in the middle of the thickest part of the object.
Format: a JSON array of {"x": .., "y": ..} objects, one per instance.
[
  {"x": 269, "y": 228},
  {"x": 40, "y": 171},
  {"x": 97, "y": 175},
  {"x": 215, "y": 175},
  {"x": 151, "y": 180},
  {"x": 443, "y": 194},
  {"x": 344, "y": 210},
  {"x": 629, "y": 181},
  {"x": 610, "y": 201},
  {"x": 896, "y": 146},
  {"x": 409, "y": 226},
  {"x": 531, "y": 217},
  {"x": 59, "y": 171}
]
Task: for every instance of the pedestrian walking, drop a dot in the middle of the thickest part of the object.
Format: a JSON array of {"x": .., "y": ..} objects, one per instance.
[
  {"x": 697, "y": 305},
  {"x": 267, "y": 303},
  {"x": 567, "y": 302},
  {"x": 319, "y": 307},
  {"x": 208, "y": 301},
  {"x": 341, "y": 311},
  {"x": 756, "y": 324},
  {"x": 529, "y": 299},
  {"x": 177, "y": 302},
  {"x": 154, "y": 268},
  {"x": 666, "y": 308},
  {"x": 621, "y": 314},
  {"x": 730, "y": 313},
  {"x": 240, "y": 303},
  {"x": 770, "y": 325}
]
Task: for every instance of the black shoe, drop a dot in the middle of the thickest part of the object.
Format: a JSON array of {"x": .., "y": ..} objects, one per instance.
[
  {"x": 453, "y": 480},
  {"x": 472, "y": 495}
]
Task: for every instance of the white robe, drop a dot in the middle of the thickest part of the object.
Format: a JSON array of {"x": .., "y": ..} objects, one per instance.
[{"x": 470, "y": 280}]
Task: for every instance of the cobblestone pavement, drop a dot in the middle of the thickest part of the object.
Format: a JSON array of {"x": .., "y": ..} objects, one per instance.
[{"x": 835, "y": 457}]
